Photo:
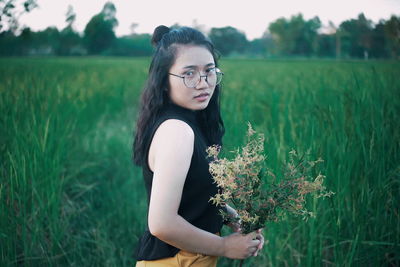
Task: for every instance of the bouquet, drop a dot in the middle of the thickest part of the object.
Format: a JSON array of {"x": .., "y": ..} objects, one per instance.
[{"x": 255, "y": 192}]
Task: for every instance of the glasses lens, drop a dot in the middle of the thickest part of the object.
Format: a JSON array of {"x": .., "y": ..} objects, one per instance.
[
  {"x": 192, "y": 80},
  {"x": 214, "y": 77}
]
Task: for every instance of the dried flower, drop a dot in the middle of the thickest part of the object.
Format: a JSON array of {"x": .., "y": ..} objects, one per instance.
[{"x": 244, "y": 184}]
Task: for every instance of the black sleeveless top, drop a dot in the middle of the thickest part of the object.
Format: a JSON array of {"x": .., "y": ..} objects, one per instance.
[{"x": 197, "y": 190}]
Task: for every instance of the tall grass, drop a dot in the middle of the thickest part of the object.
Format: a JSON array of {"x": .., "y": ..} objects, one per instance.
[
  {"x": 69, "y": 190},
  {"x": 70, "y": 195}
]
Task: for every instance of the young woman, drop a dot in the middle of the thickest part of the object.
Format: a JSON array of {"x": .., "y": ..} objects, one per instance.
[{"x": 179, "y": 117}]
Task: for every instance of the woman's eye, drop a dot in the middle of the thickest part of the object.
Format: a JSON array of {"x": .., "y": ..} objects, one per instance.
[
  {"x": 210, "y": 70},
  {"x": 189, "y": 73}
]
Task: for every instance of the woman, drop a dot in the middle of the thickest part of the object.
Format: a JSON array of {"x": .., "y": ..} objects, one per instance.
[{"x": 179, "y": 117}]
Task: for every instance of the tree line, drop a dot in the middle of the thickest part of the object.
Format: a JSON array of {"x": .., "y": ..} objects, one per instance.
[{"x": 284, "y": 37}]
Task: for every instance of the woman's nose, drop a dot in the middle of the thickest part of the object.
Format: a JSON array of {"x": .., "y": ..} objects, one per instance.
[{"x": 203, "y": 82}]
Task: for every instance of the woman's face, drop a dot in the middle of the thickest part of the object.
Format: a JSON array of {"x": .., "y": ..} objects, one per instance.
[{"x": 191, "y": 58}]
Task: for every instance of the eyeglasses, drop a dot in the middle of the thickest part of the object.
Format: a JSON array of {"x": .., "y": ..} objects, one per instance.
[{"x": 192, "y": 78}]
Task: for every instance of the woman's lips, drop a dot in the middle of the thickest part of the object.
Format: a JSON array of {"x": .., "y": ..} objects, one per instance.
[{"x": 202, "y": 97}]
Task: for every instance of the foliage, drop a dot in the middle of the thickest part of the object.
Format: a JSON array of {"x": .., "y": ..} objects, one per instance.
[
  {"x": 356, "y": 35},
  {"x": 70, "y": 43},
  {"x": 379, "y": 42},
  {"x": 10, "y": 11},
  {"x": 228, "y": 40},
  {"x": 295, "y": 36},
  {"x": 99, "y": 32},
  {"x": 326, "y": 45},
  {"x": 259, "y": 46},
  {"x": 392, "y": 33},
  {"x": 70, "y": 16},
  {"x": 132, "y": 45},
  {"x": 244, "y": 184}
]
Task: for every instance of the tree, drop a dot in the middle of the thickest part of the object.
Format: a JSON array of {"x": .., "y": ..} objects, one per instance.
[
  {"x": 378, "y": 48},
  {"x": 328, "y": 42},
  {"x": 356, "y": 36},
  {"x": 132, "y": 45},
  {"x": 133, "y": 27},
  {"x": 256, "y": 47},
  {"x": 70, "y": 41},
  {"x": 326, "y": 45},
  {"x": 228, "y": 40},
  {"x": 10, "y": 12},
  {"x": 295, "y": 36},
  {"x": 8, "y": 44},
  {"x": 99, "y": 32},
  {"x": 392, "y": 33},
  {"x": 45, "y": 42},
  {"x": 70, "y": 16},
  {"x": 25, "y": 40}
]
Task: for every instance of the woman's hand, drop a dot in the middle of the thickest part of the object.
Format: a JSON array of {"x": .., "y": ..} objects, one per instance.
[
  {"x": 233, "y": 224},
  {"x": 259, "y": 236},
  {"x": 238, "y": 246}
]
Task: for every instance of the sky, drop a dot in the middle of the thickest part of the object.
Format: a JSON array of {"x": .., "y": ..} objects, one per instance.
[{"x": 249, "y": 16}]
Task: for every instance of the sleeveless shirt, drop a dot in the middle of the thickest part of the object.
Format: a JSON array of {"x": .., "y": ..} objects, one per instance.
[{"x": 199, "y": 186}]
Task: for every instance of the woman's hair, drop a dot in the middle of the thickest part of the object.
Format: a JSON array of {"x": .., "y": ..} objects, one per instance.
[{"x": 155, "y": 93}]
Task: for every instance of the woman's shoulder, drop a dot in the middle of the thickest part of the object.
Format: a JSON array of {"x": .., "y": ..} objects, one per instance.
[
  {"x": 175, "y": 127},
  {"x": 172, "y": 139}
]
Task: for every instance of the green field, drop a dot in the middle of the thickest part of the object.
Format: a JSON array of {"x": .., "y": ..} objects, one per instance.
[{"x": 70, "y": 196}]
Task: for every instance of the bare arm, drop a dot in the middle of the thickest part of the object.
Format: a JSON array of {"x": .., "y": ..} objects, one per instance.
[{"x": 173, "y": 148}]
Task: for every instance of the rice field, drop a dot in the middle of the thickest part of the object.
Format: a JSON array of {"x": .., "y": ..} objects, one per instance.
[{"x": 70, "y": 196}]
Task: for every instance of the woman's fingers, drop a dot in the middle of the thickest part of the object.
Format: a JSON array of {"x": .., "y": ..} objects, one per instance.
[
  {"x": 255, "y": 243},
  {"x": 251, "y": 251},
  {"x": 259, "y": 237},
  {"x": 235, "y": 227}
]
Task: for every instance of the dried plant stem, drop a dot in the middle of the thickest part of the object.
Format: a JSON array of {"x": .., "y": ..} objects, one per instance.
[{"x": 244, "y": 184}]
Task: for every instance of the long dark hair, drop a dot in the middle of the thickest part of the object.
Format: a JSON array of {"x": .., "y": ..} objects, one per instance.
[{"x": 155, "y": 93}]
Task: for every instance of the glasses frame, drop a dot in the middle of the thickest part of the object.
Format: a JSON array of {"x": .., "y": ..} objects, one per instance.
[{"x": 217, "y": 72}]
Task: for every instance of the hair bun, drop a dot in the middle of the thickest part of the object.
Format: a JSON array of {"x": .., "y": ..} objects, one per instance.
[{"x": 158, "y": 34}]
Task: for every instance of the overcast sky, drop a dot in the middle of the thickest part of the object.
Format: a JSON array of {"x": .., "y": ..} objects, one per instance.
[{"x": 249, "y": 16}]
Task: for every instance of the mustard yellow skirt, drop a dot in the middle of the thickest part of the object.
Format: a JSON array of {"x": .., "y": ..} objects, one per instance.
[{"x": 182, "y": 259}]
